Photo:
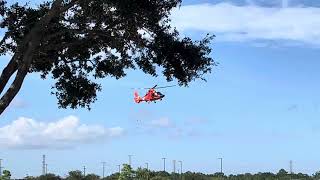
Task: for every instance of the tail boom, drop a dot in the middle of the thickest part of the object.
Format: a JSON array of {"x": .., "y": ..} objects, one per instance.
[{"x": 137, "y": 98}]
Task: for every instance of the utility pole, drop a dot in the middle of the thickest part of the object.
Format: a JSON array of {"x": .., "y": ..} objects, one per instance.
[
  {"x": 180, "y": 166},
  {"x": 43, "y": 164},
  {"x": 130, "y": 160},
  {"x": 220, "y": 165},
  {"x": 0, "y": 168},
  {"x": 291, "y": 167},
  {"x": 46, "y": 169},
  {"x": 180, "y": 169},
  {"x": 147, "y": 171},
  {"x": 103, "y": 167},
  {"x": 164, "y": 164},
  {"x": 84, "y": 171},
  {"x": 119, "y": 168},
  {"x": 174, "y": 169}
]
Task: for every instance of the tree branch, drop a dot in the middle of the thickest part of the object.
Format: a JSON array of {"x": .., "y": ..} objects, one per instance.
[
  {"x": 76, "y": 60},
  {"x": 3, "y": 39},
  {"x": 68, "y": 6}
]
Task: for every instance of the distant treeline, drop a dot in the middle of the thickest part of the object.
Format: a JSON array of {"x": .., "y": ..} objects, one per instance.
[{"x": 127, "y": 173}]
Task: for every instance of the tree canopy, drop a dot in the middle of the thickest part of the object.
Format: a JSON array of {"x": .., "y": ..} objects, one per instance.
[
  {"x": 129, "y": 173},
  {"x": 77, "y": 41}
]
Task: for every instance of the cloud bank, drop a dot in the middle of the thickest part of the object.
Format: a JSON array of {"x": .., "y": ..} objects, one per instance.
[
  {"x": 246, "y": 23},
  {"x": 26, "y": 133}
]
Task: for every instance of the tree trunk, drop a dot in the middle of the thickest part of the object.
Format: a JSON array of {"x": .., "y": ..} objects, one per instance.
[
  {"x": 7, "y": 72},
  {"x": 28, "y": 47}
]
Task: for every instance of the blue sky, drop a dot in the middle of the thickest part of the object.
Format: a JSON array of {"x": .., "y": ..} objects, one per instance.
[{"x": 259, "y": 109}]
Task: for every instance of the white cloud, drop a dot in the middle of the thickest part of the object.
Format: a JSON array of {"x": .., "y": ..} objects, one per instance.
[
  {"x": 250, "y": 2},
  {"x": 18, "y": 103},
  {"x": 66, "y": 132},
  {"x": 238, "y": 23},
  {"x": 285, "y": 3},
  {"x": 161, "y": 122},
  {"x": 196, "y": 121},
  {"x": 166, "y": 127}
]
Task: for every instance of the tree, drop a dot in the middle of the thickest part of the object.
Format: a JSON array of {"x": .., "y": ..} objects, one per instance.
[
  {"x": 114, "y": 176},
  {"x": 6, "y": 175},
  {"x": 161, "y": 173},
  {"x": 77, "y": 41},
  {"x": 282, "y": 172},
  {"x": 30, "y": 178},
  {"x": 75, "y": 175},
  {"x": 317, "y": 175},
  {"x": 126, "y": 173},
  {"x": 160, "y": 178},
  {"x": 49, "y": 177},
  {"x": 91, "y": 177},
  {"x": 142, "y": 174}
]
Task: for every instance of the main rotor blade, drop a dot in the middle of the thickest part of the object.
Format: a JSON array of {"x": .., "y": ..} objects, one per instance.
[
  {"x": 155, "y": 87},
  {"x": 165, "y": 87},
  {"x": 139, "y": 88}
]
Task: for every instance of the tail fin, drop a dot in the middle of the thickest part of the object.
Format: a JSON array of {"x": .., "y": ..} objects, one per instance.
[{"x": 137, "y": 98}]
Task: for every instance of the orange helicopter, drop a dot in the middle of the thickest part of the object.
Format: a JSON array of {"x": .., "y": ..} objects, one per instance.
[{"x": 151, "y": 96}]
